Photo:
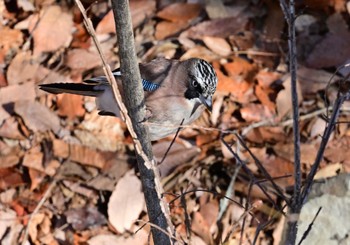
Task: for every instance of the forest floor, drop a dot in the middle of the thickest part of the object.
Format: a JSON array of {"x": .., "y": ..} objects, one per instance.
[{"x": 69, "y": 176}]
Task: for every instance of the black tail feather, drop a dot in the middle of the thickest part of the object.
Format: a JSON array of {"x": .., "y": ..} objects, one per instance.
[{"x": 71, "y": 88}]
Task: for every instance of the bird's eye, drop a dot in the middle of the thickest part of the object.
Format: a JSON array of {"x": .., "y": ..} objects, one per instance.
[{"x": 195, "y": 84}]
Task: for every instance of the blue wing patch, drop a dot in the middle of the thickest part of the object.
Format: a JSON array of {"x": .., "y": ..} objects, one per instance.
[{"x": 149, "y": 86}]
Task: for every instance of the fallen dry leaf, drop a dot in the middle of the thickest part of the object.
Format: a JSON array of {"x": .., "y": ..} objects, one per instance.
[
  {"x": 180, "y": 12},
  {"x": 141, "y": 237},
  {"x": 11, "y": 39},
  {"x": 275, "y": 166},
  {"x": 10, "y": 226},
  {"x": 201, "y": 228},
  {"x": 223, "y": 27},
  {"x": 218, "y": 45},
  {"x": 17, "y": 92},
  {"x": 333, "y": 50},
  {"x": 34, "y": 159},
  {"x": 199, "y": 52},
  {"x": 23, "y": 68},
  {"x": 103, "y": 133},
  {"x": 240, "y": 89},
  {"x": 85, "y": 217},
  {"x": 9, "y": 178},
  {"x": 284, "y": 98},
  {"x": 49, "y": 39},
  {"x": 313, "y": 80},
  {"x": 126, "y": 202},
  {"x": 140, "y": 10},
  {"x": 177, "y": 155},
  {"x": 329, "y": 170},
  {"x": 82, "y": 154},
  {"x": 70, "y": 105},
  {"x": 82, "y": 59},
  {"x": 264, "y": 97},
  {"x": 33, "y": 227},
  {"x": 10, "y": 129},
  {"x": 8, "y": 161},
  {"x": 166, "y": 29},
  {"x": 37, "y": 117},
  {"x": 256, "y": 113}
]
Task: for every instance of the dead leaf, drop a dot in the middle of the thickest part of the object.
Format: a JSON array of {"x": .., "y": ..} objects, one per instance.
[
  {"x": 218, "y": 45},
  {"x": 240, "y": 89},
  {"x": 267, "y": 134},
  {"x": 37, "y": 117},
  {"x": 180, "y": 12},
  {"x": 274, "y": 22},
  {"x": 140, "y": 10},
  {"x": 10, "y": 226},
  {"x": 275, "y": 166},
  {"x": 33, "y": 227},
  {"x": 263, "y": 94},
  {"x": 82, "y": 59},
  {"x": 23, "y": 68},
  {"x": 199, "y": 52},
  {"x": 210, "y": 211},
  {"x": 317, "y": 128},
  {"x": 312, "y": 80},
  {"x": 329, "y": 170},
  {"x": 11, "y": 39},
  {"x": 33, "y": 159},
  {"x": 256, "y": 113},
  {"x": 17, "y": 92},
  {"x": 49, "y": 39},
  {"x": 126, "y": 202},
  {"x": 141, "y": 237},
  {"x": 8, "y": 161},
  {"x": 165, "y": 29},
  {"x": 308, "y": 152},
  {"x": 82, "y": 154},
  {"x": 284, "y": 98},
  {"x": 10, "y": 129},
  {"x": 216, "y": 9},
  {"x": 85, "y": 217},
  {"x": 70, "y": 105},
  {"x": 178, "y": 155},
  {"x": 201, "y": 228},
  {"x": 223, "y": 27},
  {"x": 10, "y": 178},
  {"x": 332, "y": 51},
  {"x": 103, "y": 133}
]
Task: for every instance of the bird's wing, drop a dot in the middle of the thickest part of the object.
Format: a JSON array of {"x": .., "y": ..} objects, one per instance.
[{"x": 146, "y": 84}]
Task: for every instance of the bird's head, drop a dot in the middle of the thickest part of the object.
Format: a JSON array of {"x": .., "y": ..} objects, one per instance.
[{"x": 202, "y": 82}]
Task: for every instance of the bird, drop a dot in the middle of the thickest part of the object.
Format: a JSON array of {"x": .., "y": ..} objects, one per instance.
[{"x": 176, "y": 93}]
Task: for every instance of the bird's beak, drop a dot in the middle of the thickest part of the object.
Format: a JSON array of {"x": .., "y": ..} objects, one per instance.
[{"x": 207, "y": 102}]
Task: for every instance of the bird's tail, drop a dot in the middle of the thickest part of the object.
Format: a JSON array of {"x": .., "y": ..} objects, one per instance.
[
  {"x": 103, "y": 92},
  {"x": 72, "y": 88}
]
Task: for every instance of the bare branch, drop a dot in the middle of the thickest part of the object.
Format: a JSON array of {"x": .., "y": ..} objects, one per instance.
[{"x": 157, "y": 209}]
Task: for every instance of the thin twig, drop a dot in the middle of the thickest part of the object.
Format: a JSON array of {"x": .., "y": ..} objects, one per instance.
[
  {"x": 306, "y": 233},
  {"x": 325, "y": 138},
  {"x": 36, "y": 210},
  {"x": 160, "y": 229},
  {"x": 262, "y": 169},
  {"x": 172, "y": 142},
  {"x": 250, "y": 174}
]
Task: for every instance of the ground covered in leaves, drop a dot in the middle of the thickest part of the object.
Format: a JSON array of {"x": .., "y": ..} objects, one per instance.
[{"x": 69, "y": 176}]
